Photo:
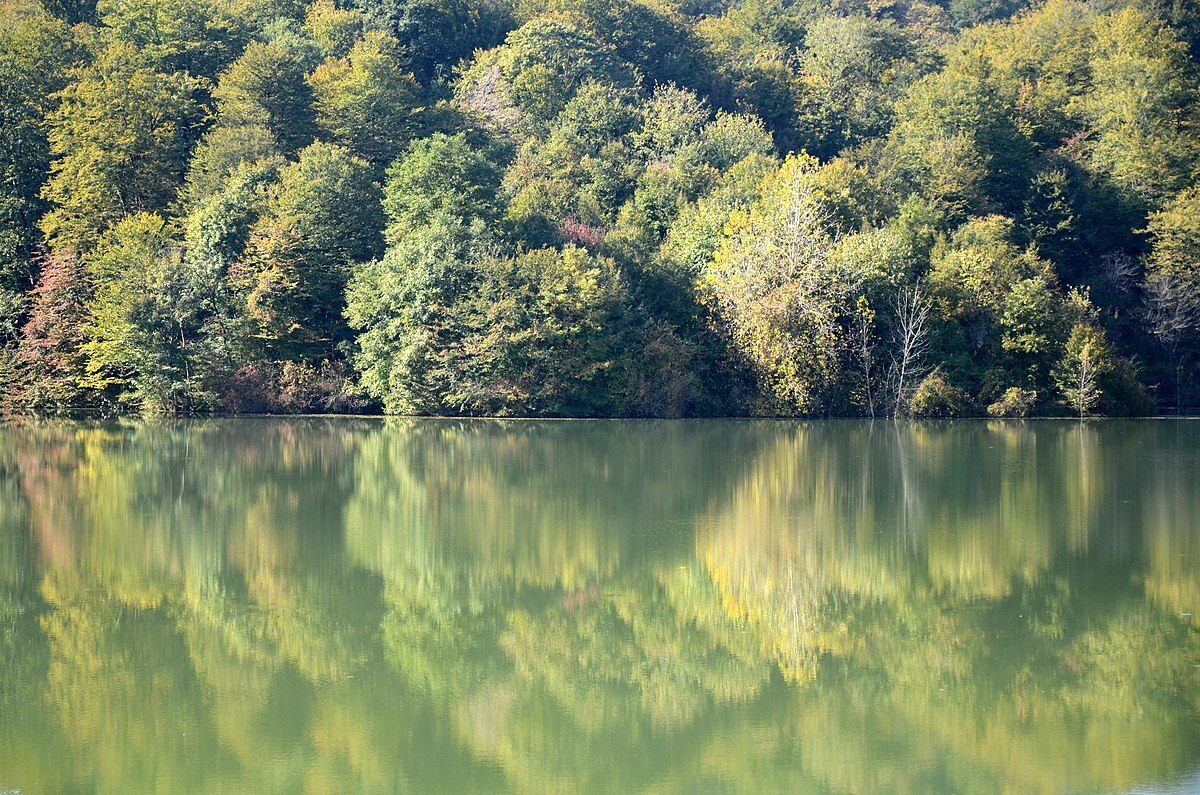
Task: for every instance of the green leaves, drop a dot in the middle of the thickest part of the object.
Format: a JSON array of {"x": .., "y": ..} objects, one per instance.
[
  {"x": 144, "y": 322},
  {"x": 321, "y": 218},
  {"x": 266, "y": 87},
  {"x": 1139, "y": 107},
  {"x": 440, "y": 174},
  {"x": 779, "y": 299},
  {"x": 1086, "y": 358},
  {"x": 520, "y": 87},
  {"x": 1009, "y": 169},
  {"x": 119, "y": 137},
  {"x": 365, "y": 100}
]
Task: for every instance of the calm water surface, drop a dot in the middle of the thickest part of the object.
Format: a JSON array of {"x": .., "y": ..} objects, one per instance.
[{"x": 342, "y": 606}]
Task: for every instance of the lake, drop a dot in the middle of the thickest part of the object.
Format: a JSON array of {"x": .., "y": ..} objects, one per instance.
[{"x": 358, "y": 605}]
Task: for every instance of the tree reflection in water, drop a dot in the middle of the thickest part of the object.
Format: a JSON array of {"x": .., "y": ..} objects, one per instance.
[{"x": 352, "y": 605}]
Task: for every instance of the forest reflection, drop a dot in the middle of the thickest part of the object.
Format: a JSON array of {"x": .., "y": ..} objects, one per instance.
[{"x": 358, "y": 605}]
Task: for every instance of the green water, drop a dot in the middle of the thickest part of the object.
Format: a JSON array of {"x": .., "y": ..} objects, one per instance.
[{"x": 334, "y": 606}]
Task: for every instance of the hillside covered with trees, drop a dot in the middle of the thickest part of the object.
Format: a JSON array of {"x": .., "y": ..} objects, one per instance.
[{"x": 600, "y": 207}]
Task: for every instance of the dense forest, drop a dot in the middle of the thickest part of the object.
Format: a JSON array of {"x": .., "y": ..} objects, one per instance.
[{"x": 600, "y": 207}]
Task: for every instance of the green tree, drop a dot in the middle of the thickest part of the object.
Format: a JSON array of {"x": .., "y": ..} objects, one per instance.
[
  {"x": 976, "y": 272},
  {"x": 335, "y": 30},
  {"x": 222, "y": 153},
  {"x": 698, "y": 231},
  {"x": 365, "y": 101},
  {"x": 438, "y": 34},
  {"x": 322, "y": 217},
  {"x": 437, "y": 175},
  {"x": 216, "y": 231},
  {"x": 570, "y": 185},
  {"x": 35, "y": 52},
  {"x": 460, "y": 331},
  {"x": 967, "y": 13},
  {"x": 1172, "y": 284},
  {"x": 1000, "y": 319},
  {"x": 404, "y": 308},
  {"x": 119, "y": 138},
  {"x": 551, "y": 334},
  {"x": 440, "y": 199},
  {"x": 1085, "y": 359},
  {"x": 519, "y": 87},
  {"x": 144, "y": 330},
  {"x": 853, "y": 70},
  {"x": 657, "y": 40},
  {"x": 731, "y": 137},
  {"x": 778, "y": 295},
  {"x": 1050, "y": 216},
  {"x": 265, "y": 87},
  {"x": 753, "y": 44},
  {"x": 193, "y": 36},
  {"x": 672, "y": 121},
  {"x": 955, "y": 143},
  {"x": 1175, "y": 237},
  {"x": 1139, "y": 108},
  {"x": 1042, "y": 61}
]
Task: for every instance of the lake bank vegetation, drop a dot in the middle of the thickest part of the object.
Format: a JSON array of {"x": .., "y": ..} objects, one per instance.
[{"x": 600, "y": 207}]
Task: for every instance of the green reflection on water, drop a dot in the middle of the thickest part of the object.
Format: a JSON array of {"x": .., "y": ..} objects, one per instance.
[{"x": 352, "y": 606}]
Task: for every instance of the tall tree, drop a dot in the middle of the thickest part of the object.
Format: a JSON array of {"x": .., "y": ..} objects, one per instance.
[
  {"x": 519, "y": 87},
  {"x": 853, "y": 70},
  {"x": 36, "y": 51},
  {"x": 366, "y": 101},
  {"x": 1085, "y": 360},
  {"x": 955, "y": 142},
  {"x": 322, "y": 217},
  {"x": 193, "y": 36},
  {"x": 1172, "y": 285},
  {"x": 437, "y": 34},
  {"x": 1140, "y": 108},
  {"x": 777, "y": 293},
  {"x": 440, "y": 199},
  {"x": 266, "y": 87},
  {"x": 50, "y": 356},
  {"x": 440, "y": 174},
  {"x": 119, "y": 138},
  {"x": 334, "y": 30},
  {"x": 145, "y": 318}
]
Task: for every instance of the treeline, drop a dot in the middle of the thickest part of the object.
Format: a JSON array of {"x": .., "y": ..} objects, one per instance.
[{"x": 600, "y": 207}]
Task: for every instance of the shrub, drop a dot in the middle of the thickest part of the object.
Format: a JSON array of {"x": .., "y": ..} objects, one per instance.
[
  {"x": 1015, "y": 402},
  {"x": 936, "y": 397},
  {"x": 288, "y": 388}
]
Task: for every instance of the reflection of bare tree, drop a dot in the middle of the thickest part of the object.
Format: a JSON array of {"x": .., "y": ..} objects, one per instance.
[{"x": 910, "y": 516}]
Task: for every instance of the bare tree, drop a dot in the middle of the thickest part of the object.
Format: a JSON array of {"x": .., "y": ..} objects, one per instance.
[
  {"x": 1120, "y": 271},
  {"x": 1084, "y": 392},
  {"x": 864, "y": 347},
  {"x": 1172, "y": 311},
  {"x": 910, "y": 339}
]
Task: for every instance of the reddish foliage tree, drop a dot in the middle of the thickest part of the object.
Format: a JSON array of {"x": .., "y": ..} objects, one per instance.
[
  {"x": 49, "y": 355},
  {"x": 581, "y": 234}
]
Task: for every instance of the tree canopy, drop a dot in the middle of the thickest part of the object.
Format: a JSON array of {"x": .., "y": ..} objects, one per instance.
[{"x": 602, "y": 207}]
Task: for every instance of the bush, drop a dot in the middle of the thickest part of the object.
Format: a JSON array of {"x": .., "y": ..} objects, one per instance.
[
  {"x": 936, "y": 397},
  {"x": 288, "y": 388},
  {"x": 1122, "y": 393},
  {"x": 1015, "y": 402}
]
